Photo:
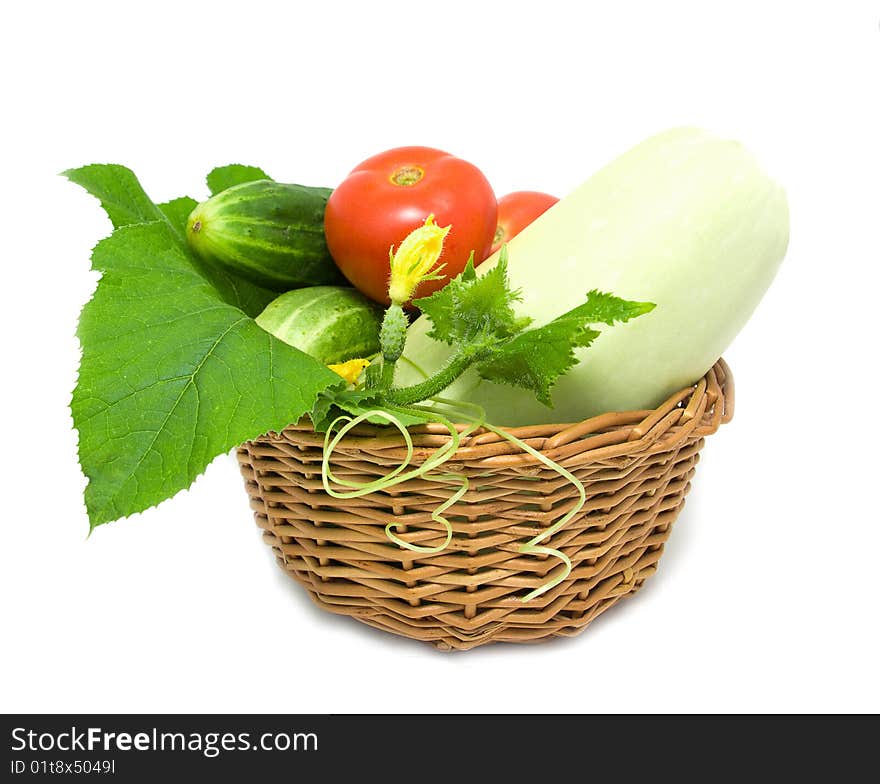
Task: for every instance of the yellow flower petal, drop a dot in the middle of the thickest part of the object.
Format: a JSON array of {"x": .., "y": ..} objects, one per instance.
[
  {"x": 414, "y": 260},
  {"x": 350, "y": 370}
]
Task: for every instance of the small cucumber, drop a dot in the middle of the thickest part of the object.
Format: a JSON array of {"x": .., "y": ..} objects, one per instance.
[
  {"x": 267, "y": 232},
  {"x": 331, "y": 323}
]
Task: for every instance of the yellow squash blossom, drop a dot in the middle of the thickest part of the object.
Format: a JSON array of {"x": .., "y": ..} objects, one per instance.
[
  {"x": 350, "y": 370},
  {"x": 414, "y": 260}
]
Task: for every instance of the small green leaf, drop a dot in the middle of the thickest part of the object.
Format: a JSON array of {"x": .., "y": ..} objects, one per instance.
[
  {"x": 604, "y": 308},
  {"x": 536, "y": 358},
  {"x": 438, "y": 307},
  {"x": 374, "y": 377},
  {"x": 355, "y": 402},
  {"x": 224, "y": 177},
  {"x": 471, "y": 309},
  {"x": 172, "y": 375},
  {"x": 323, "y": 412}
]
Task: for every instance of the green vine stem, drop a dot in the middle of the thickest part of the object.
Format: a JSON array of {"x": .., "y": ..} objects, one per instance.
[{"x": 433, "y": 385}]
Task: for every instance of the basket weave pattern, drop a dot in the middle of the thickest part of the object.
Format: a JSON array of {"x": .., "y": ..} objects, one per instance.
[{"x": 636, "y": 467}]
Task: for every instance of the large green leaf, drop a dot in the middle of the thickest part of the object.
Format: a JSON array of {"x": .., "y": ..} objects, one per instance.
[
  {"x": 171, "y": 376},
  {"x": 119, "y": 192},
  {"x": 173, "y": 372}
]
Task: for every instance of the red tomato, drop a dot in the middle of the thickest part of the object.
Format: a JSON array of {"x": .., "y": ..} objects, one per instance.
[
  {"x": 389, "y": 195},
  {"x": 516, "y": 211}
]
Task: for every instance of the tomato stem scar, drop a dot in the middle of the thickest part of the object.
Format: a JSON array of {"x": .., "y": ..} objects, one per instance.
[{"x": 407, "y": 175}]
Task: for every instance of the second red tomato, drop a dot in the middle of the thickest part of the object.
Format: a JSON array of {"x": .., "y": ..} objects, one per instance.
[
  {"x": 387, "y": 196},
  {"x": 516, "y": 211}
]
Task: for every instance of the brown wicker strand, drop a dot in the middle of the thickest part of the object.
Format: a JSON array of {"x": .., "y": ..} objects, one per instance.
[{"x": 636, "y": 467}]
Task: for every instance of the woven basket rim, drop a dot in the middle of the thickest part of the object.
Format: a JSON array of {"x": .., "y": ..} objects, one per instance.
[{"x": 694, "y": 411}]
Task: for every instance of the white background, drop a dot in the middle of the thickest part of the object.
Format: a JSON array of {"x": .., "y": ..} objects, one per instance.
[{"x": 767, "y": 597}]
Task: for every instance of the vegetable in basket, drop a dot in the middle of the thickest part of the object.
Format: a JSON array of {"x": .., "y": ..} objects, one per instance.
[
  {"x": 330, "y": 323},
  {"x": 390, "y": 194},
  {"x": 684, "y": 219},
  {"x": 516, "y": 211},
  {"x": 268, "y": 232}
]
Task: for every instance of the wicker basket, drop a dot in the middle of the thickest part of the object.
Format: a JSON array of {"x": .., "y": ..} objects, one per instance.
[{"x": 636, "y": 467}]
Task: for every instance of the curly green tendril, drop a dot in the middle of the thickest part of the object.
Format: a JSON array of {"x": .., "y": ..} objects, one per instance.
[{"x": 474, "y": 417}]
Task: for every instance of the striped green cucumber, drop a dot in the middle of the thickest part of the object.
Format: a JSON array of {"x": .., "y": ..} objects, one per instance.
[
  {"x": 331, "y": 323},
  {"x": 267, "y": 232}
]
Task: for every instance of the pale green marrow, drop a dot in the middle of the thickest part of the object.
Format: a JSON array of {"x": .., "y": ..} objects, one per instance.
[{"x": 685, "y": 220}]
